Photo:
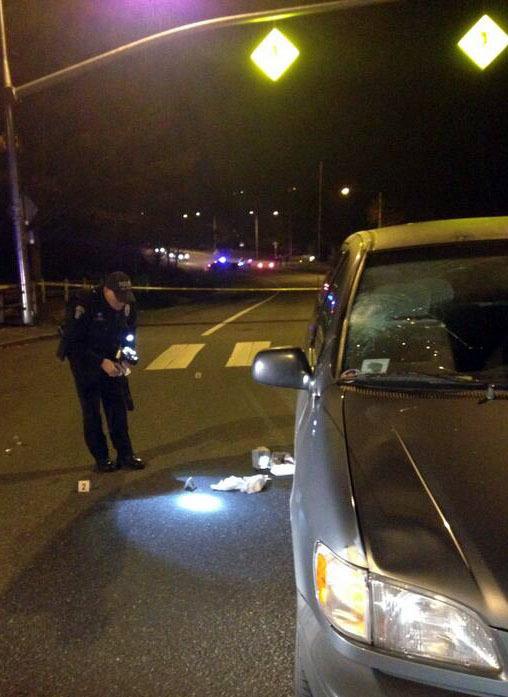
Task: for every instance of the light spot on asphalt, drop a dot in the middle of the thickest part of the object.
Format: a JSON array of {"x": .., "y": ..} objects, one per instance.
[{"x": 199, "y": 503}]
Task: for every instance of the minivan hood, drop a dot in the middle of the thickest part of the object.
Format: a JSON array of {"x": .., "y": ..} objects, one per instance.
[{"x": 430, "y": 478}]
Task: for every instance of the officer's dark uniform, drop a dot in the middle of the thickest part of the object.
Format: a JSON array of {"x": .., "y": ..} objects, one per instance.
[{"x": 92, "y": 331}]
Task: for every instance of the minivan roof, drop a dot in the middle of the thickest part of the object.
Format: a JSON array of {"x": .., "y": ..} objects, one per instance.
[{"x": 433, "y": 232}]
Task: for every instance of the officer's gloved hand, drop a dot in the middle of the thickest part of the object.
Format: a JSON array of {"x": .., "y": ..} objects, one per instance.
[{"x": 111, "y": 368}]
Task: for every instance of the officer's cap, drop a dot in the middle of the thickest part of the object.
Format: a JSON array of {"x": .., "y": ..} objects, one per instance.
[{"x": 121, "y": 285}]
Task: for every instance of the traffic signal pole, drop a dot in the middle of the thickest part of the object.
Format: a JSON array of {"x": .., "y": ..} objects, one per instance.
[
  {"x": 16, "y": 208},
  {"x": 12, "y": 94},
  {"x": 267, "y": 16}
]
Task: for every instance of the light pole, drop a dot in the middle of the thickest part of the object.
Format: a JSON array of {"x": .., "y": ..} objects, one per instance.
[
  {"x": 16, "y": 210},
  {"x": 380, "y": 209},
  {"x": 291, "y": 191},
  {"x": 275, "y": 243},
  {"x": 256, "y": 232},
  {"x": 214, "y": 231}
]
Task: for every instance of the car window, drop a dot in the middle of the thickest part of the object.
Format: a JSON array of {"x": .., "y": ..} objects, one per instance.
[
  {"x": 439, "y": 311},
  {"x": 329, "y": 302}
]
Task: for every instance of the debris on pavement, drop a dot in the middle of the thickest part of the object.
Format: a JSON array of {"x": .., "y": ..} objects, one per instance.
[
  {"x": 261, "y": 458},
  {"x": 283, "y": 469},
  {"x": 247, "y": 485},
  {"x": 282, "y": 464},
  {"x": 190, "y": 484}
]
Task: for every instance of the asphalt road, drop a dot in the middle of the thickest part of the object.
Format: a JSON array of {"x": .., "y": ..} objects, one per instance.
[{"x": 125, "y": 590}]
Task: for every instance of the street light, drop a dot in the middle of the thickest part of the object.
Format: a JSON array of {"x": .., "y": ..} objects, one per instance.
[{"x": 256, "y": 232}]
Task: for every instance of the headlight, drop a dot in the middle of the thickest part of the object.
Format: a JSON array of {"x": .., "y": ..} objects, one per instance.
[
  {"x": 398, "y": 619},
  {"x": 430, "y": 628}
]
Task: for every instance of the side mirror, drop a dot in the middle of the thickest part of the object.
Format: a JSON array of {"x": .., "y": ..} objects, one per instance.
[{"x": 282, "y": 367}]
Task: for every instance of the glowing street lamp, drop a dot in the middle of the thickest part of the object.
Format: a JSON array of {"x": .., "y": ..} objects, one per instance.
[
  {"x": 484, "y": 42},
  {"x": 256, "y": 232},
  {"x": 275, "y": 54},
  {"x": 345, "y": 191}
]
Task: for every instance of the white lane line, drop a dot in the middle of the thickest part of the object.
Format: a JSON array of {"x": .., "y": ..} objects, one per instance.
[
  {"x": 244, "y": 352},
  {"x": 239, "y": 314},
  {"x": 175, "y": 357}
]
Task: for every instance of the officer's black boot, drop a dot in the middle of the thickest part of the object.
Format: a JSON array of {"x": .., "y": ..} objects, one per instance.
[
  {"x": 105, "y": 465},
  {"x": 131, "y": 462}
]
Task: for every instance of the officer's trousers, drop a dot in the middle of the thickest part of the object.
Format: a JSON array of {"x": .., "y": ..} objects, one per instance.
[{"x": 111, "y": 392}]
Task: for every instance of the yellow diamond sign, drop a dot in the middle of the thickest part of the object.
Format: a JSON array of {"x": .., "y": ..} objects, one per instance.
[
  {"x": 484, "y": 42},
  {"x": 275, "y": 54}
]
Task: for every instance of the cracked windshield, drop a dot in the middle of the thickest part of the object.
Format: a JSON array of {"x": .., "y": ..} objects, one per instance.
[{"x": 441, "y": 313}]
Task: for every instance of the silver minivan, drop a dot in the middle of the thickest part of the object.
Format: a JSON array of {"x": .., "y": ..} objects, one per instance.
[{"x": 399, "y": 506}]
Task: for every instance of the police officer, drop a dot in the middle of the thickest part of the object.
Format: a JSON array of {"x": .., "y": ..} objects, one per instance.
[{"x": 97, "y": 323}]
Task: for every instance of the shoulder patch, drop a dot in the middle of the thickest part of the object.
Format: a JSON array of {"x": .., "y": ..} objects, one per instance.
[{"x": 79, "y": 311}]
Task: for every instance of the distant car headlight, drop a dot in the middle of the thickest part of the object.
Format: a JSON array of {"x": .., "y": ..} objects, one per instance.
[{"x": 401, "y": 620}]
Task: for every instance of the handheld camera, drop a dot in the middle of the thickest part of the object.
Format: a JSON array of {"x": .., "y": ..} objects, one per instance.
[{"x": 127, "y": 351}]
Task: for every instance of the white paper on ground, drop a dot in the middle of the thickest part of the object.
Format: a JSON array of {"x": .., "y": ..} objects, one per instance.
[
  {"x": 284, "y": 469},
  {"x": 247, "y": 485}
]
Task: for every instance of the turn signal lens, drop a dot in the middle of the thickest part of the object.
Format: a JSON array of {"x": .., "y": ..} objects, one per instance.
[{"x": 342, "y": 592}]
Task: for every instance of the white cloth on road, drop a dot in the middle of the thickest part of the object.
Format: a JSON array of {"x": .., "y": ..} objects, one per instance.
[
  {"x": 284, "y": 469},
  {"x": 247, "y": 485}
]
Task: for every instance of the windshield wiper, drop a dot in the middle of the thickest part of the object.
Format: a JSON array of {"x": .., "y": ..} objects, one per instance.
[
  {"x": 413, "y": 377},
  {"x": 494, "y": 381}
]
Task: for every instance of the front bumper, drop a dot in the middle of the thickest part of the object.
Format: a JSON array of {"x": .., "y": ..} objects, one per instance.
[{"x": 337, "y": 667}]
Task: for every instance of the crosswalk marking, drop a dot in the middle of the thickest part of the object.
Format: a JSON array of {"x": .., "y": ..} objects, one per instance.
[
  {"x": 244, "y": 353},
  {"x": 175, "y": 357}
]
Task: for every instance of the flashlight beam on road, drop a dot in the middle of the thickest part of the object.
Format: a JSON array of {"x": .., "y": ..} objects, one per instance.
[{"x": 272, "y": 15}]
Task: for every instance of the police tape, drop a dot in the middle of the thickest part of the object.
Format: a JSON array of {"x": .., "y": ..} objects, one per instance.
[{"x": 192, "y": 289}]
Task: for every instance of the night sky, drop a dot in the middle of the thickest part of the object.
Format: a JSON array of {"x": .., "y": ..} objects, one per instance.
[{"x": 381, "y": 95}]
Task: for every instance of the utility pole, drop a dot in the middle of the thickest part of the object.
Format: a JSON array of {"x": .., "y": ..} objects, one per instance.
[
  {"x": 380, "y": 209},
  {"x": 256, "y": 233},
  {"x": 16, "y": 208},
  {"x": 214, "y": 229}
]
